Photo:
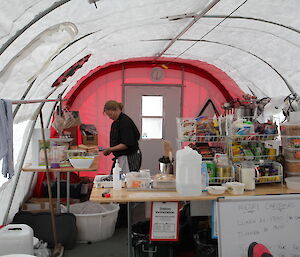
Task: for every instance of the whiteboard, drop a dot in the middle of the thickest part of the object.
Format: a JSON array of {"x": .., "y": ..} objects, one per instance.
[{"x": 272, "y": 220}]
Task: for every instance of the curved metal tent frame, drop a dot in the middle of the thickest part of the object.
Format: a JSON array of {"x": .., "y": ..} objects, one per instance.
[{"x": 256, "y": 43}]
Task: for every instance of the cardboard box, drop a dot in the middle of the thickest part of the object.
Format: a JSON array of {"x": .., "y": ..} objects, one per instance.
[
  {"x": 38, "y": 205},
  {"x": 90, "y": 139},
  {"x": 73, "y": 132}
]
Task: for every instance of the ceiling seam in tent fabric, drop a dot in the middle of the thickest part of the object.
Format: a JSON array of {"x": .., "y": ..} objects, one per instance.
[
  {"x": 23, "y": 97},
  {"x": 69, "y": 27},
  {"x": 243, "y": 50},
  {"x": 260, "y": 58},
  {"x": 188, "y": 48},
  {"x": 205, "y": 10},
  {"x": 255, "y": 19},
  {"x": 256, "y": 56},
  {"x": 26, "y": 93},
  {"x": 65, "y": 63},
  {"x": 75, "y": 41},
  {"x": 52, "y": 72},
  {"x": 33, "y": 21}
]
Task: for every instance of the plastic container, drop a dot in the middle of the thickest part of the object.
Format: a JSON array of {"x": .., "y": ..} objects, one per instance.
[
  {"x": 95, "y": 222},
  {"x": 216, "y": 190},
  {"x": 16, "y": 239},
  {"x": 82, "y": 162},
  {"x": 292, "y": 167},
  {"x": 105, "y": 181},
  {"x": 248, "y": 175},
  {"x": 57, "y": 151},
  {"x": 138, "y": 180},
  {"x": 290, "y": 141},
  {"x": 164, "y": 184},
  {"x": 235, "y": 188},
  {"x": 293, "y": 183},
  {"x": 290, "y": 129},
  {"x": 188, "y": 172},
  {"x": 292, "y": 154},
  {"x": 75, "y": 153}
]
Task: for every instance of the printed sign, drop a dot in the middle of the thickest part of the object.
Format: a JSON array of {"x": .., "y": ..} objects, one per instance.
[{"x": 164, "y": 221}]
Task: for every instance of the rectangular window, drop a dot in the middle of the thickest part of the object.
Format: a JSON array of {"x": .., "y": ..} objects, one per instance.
[
  {"x": 152, "y": 117},
  {"x": 152, "y": 106}
]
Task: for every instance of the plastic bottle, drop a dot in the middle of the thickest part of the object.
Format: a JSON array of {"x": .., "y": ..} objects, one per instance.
[
  {"x": 188, "y": 172},
  {"x": 117, "y": 184}
]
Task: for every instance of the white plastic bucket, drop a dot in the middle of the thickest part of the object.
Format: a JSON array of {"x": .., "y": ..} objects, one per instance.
[{"x": 96, "y": 226}]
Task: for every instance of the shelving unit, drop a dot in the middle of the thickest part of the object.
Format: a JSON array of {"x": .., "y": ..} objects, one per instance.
[
  {"x": 195, "y": 132},
  {"x": 290, "y": 134}
]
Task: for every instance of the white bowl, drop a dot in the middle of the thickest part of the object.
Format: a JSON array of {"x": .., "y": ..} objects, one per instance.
[
  {"x": 81, "y": 163},
  {"x": 235, "y": 188},
  {"x": 293, "y": 182},
  {"x": 216, "y": 190}
]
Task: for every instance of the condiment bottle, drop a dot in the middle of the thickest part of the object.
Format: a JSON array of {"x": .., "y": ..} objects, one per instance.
[{"x": 117, "y": 184}]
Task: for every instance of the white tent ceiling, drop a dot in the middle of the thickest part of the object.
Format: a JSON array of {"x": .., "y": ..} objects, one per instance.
[
  {"x": 257, "y": 45},
  {"x": 255, "y": 42}
]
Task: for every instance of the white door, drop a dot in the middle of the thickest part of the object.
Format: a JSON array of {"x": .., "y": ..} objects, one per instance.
[{"x": 155, "y": 123}]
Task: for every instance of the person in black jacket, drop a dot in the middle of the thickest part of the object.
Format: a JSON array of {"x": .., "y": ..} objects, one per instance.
[{"x": 124, "y": 137}]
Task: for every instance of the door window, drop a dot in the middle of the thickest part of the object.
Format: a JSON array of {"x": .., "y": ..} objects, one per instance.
[{"x": 152, "y": 117}]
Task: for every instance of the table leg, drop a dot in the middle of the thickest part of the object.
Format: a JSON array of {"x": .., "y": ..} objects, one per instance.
[
  {"x": 58, "y": 192},
  {"x": 68, "y": 191},
  {"x": 129, "y": 226}
]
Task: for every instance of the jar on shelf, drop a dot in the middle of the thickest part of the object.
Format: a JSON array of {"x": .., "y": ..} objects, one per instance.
[{"x": 248, "y": 175}]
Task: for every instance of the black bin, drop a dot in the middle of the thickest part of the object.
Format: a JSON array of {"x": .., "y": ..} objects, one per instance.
[
  {"x": 143, "y": 247},
  {"x": 205, "y": 245}
]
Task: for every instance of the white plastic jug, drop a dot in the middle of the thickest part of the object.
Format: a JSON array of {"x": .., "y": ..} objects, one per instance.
[{"x": 188, "y": 172}]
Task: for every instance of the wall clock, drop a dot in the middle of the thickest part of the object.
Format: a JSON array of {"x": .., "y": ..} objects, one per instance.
[{"x": 157, "y": 74}]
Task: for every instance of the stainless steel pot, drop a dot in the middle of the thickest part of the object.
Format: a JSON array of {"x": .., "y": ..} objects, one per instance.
[{"x": 166, "y": 168}]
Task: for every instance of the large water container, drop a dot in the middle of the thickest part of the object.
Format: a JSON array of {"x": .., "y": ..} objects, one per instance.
[
  {"x": 16, "y": 239},
  {"x": 188, "y": 172}
]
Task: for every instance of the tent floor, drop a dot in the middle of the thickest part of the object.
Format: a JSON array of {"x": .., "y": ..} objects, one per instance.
[{"x": 115, "y": 246}]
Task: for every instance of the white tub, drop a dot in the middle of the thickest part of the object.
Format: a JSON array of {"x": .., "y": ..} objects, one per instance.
[{"x": 95, "y": 222}]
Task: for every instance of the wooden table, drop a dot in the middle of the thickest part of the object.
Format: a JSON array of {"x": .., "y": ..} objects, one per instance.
[
  {"x": 130, "y": 196},
  {"x": 67, "y": 170},
  {"x": 124, "y": 195}
]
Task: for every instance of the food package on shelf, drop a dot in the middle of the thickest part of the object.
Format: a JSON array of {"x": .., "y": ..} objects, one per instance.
[
  {"x": 290, "y": 129},
  {"x": 198, "y": 129}
]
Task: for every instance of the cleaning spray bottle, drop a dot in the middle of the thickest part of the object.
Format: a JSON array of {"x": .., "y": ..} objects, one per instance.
[{"x": 117, "y": 184}]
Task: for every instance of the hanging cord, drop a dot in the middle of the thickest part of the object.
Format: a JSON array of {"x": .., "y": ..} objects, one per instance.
[
  {"x": 57, "y": 247},
  {"x": 211, "y": 29}
]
